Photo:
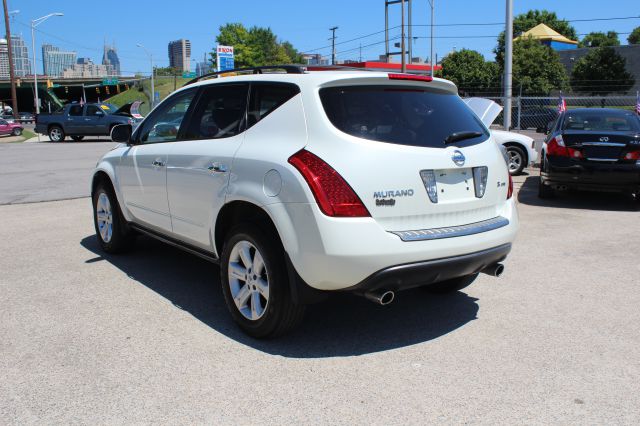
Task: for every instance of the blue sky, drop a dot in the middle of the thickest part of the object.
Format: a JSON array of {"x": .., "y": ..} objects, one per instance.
[{"x": 303, "y": 23}]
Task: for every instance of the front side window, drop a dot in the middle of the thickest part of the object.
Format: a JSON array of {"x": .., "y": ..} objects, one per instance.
[
  {"x": 164, "y": 124},
  {"x": 404, "y": 115},
  {"x": 266, "y": 98},
  {"x": 220, "y": 112}
]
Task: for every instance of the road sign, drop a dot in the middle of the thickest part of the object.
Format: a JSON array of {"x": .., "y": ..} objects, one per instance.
[
  {"x": 188, "y": 74},
  {"x": 109, "y": 81},
  {"x": 225, "y": 58}
]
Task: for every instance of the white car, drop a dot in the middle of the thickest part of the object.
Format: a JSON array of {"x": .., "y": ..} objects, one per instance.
[
  {"x": 304, "y": 183},
  {"x": 521, "y": 149}
]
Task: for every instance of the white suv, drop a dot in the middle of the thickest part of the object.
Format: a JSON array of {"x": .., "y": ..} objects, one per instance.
[{"x": 302, "y": 183}]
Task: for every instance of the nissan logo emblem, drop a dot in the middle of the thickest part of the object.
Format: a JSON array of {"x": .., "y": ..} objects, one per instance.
[{"x": 458, "y": 158}]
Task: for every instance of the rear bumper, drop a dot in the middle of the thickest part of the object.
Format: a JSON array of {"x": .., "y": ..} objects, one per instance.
[
  {"x": 564, "y": 172},
  {"x": 409, "y": 275}
]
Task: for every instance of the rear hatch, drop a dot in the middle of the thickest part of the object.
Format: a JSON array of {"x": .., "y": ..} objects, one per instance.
[{"x": 414, "y": 153}]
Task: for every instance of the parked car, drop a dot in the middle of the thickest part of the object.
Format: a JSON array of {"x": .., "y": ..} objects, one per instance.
[
  {"x": 520, "y": 149},
  {"x": 307, "y": 183},
  {"x": 10, "y": 128},
  {"x": 78, "y": 121},
  {"x": 26, "y": 117},
  {"x": 594, "y": 149},
  {"x": 534, "y": 118}
]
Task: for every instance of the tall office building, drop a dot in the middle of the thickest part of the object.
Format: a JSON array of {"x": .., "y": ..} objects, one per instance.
[
  {"x": 55, "y": 61},
  {"x": 180, "y": 54},
  {"x": 21, "y": 63},
  {"x": 4, "y": 58},
  {"x": 111, "y": 60}
]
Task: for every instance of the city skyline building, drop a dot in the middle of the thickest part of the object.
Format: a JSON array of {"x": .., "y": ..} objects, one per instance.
[
  {"x": 4, "y": 58},
  {"x": 111, "y": 60},
  {"x": 21, "y": 62},
  {"x": 180, "y": 54},
  {"x": 85, "y": 68},
  {"x": 55, "y": 61}
]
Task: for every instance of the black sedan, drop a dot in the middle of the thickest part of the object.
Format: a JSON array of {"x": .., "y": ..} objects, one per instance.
[{"x": 592, "y": 149}]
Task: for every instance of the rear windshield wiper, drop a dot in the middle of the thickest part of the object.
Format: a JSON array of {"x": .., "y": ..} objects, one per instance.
[{"x": 460, "y": 136}]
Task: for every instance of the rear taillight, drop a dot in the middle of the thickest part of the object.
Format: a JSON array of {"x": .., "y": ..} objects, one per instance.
[
  {"x": 556, "y": 147},
  {"x": 410, "y": 77},
  {"x": 633, "y": 155},
  {"x": 510, "y": 189},
  {"x": 333, "y": 194},
  {"x": 480, "y": 175}
]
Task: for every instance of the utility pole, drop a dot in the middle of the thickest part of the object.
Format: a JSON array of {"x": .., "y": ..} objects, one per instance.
[
  {"x": 508, "y": 61},
  {"x": 432, "y": 3},
  {"x": 402, "y": 46},
  {"x": 333, "y": 45},
  {"x": 12, "y": 77}
]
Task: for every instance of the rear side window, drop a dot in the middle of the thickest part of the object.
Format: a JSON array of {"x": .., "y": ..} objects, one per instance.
[
  {"x": 401, "y": 115},
  {"x": 219, "y": 113},
  {"x": 266, "y": 98}
]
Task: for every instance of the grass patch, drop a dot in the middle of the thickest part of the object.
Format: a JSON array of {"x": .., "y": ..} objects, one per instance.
[
  {"x": 163, "y": 85},
  {"x": 27, "y": 134}
]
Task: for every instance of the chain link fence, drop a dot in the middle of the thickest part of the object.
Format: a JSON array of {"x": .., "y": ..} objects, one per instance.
[{"x": 535, "y": 112}]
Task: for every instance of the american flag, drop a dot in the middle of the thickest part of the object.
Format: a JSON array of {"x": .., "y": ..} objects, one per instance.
[
  {"x": 638, "y": 102},
  {"x": 562, "y": 104},
  {"x": 81, "y": 102}
]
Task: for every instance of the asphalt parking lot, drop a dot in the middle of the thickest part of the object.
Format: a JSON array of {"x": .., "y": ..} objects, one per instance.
[{"x": 145, "y": 337}]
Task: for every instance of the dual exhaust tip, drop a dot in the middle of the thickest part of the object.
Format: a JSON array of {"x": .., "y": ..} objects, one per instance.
[{"x": 385, "y": 297}]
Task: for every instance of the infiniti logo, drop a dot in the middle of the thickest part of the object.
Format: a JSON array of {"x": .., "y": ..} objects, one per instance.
[
  {"x": 458, "y": 158},
  {"x": 604, "y": 139}
]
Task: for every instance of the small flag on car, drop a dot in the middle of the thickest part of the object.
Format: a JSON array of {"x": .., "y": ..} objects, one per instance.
[
  {"x": 562, "y": 104},
  {"x": 638, "y": 102}
]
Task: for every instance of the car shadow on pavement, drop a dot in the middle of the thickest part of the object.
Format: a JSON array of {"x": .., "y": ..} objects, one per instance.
[
  {"x": 344, "y": 325},
  {"x": 584, "y": 200}
]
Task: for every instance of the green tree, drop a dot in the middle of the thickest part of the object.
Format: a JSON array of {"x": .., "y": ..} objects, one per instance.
[
  {"x": 634, "y": 37},
  {"x": 526, "y": 21},
  {"x": 536, "y": 68},
  {"x": 470, "y": 72},
  {"x": 599, "y": 39},
  {"x": 255, "y": 46},
  {"x": 601, "y": 71}
]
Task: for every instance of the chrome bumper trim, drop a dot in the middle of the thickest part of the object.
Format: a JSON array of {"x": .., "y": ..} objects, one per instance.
[{"x": 453, "y": 231}]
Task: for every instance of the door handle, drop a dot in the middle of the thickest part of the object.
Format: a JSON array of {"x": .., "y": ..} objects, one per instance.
[
  {"x": 217, "y": 168},
  {"x": 158, "y": 163}
]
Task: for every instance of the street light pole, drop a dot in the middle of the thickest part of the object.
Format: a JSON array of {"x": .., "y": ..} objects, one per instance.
[
  {"x": 153, "y": 93},
  {"x": 34, "y": 24},
  {"x": 508, "y": 61},
  {"x": 432, "y": 3}
]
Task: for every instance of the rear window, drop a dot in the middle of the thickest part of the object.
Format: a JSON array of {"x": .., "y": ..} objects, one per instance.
[
  {"x": 401, "y": 115},
  {"x": 598, "y": 120}
]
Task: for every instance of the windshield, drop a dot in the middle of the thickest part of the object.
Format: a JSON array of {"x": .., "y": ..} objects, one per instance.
[
  {"x": 402, "y": 115},
  {"x": 602, "y": 120}
]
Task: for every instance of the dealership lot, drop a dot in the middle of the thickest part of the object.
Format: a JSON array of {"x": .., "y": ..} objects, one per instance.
[{"x": 146, "y": 337}]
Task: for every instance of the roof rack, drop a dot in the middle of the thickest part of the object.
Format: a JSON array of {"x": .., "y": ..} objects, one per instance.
[{"x": 289, "y": 69}]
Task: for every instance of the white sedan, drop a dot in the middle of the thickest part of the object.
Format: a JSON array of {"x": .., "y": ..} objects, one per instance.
[{"x": 521, "y": 150}]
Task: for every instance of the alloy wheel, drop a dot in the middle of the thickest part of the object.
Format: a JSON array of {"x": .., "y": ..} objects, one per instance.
[
  {"x": 515, "y": 160},
  {"x": 248, "y": 280},
  {"x": 104, "y": 217},
  {"x": 55, "y": 134}
]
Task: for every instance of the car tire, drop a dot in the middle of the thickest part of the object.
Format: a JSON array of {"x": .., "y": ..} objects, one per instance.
[
  {"x": 17, "y": 131},
  {"x": 545, "y": 192},
  {"x": 449, "y": 286},
  {"x": 112, "y": 230},
  {"x": 56, "y": 134},
  {"x": 77, "y": 138},
  {"x": 517, "y": 159},
  {"x": 255, "y": 283}
]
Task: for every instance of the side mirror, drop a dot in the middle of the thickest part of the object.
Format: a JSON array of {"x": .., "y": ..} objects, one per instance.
[{"x": 121, "y": 133}]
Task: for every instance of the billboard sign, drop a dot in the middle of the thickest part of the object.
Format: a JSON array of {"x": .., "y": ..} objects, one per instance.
[{"x": 225, "y": 58}]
